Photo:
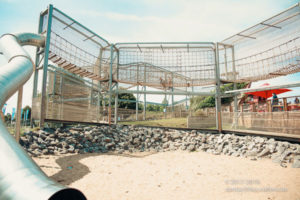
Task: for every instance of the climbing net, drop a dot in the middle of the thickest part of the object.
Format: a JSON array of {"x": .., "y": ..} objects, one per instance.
[
  {"x": 168, "y": 65},
  {"x": 267, "y": 50}
]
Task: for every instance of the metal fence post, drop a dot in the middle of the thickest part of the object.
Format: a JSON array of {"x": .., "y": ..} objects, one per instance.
[
  {"x": 45, "y": 67},
  {"x": 218, "y": 91},
  {"x": 117, "y": 88},
  {"x": 110, "y": 83}
]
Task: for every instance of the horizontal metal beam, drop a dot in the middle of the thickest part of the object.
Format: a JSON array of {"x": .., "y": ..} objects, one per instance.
[
  {"x": 73, "y": 100},
  {"x": 247, "y": 36},
  {"x": 82, "y": 26},
  {"x": 148, "y": 102},
  {"x": 135, "y": 43},
  {"x": 165, "y": 92},
  {"x": 288, "y": 85},
  {"x": 270, "y": 25}
]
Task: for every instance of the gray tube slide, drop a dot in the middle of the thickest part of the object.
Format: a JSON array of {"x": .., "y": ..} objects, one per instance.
[{"x": 20, "y": 177}]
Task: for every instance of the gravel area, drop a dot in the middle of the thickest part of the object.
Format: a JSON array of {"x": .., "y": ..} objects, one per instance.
[
  {"x": 128, "y": 162},
  {"x": 129, "y": 139}
]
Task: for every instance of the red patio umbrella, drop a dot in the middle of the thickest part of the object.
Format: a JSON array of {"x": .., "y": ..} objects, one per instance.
[{"x": 268, "y": 93}]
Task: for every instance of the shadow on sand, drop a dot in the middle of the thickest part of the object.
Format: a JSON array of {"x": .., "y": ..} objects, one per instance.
[{"x": 72, "y": 170}]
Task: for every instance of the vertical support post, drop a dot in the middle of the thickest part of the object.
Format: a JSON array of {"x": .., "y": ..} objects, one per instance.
[
  {"x": 235, "y": 88},
  {"x": 2, "y": 115},
  {"x": 145, "y": 102},
  {"x": 110, "y": 83},
  {"x": 218, "y": 91},
  {"x": 99, "y": 97},
  {"x": 285, "y": 106},
  {"x": 137, "y": 104},
  {"x": 186, "y": 97},
  {"x": 165, "y": 102},
  {"x": 116, "y": 104},
  {"x": 18, "y": 119},
  {"x": 172, "y": 94},
  {"x": 36, "y": 71},
  {"x": 117, "y": 88},
  {"x": 61, "y": 97},
  {"x": 137, "y": 95},
  {"x": 45, "y": 67},
  {"x": 225, "y": 62}
]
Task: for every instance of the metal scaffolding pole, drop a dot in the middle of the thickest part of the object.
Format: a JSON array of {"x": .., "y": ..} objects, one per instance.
[
  {"x": 186, "y": 97},
  {"x": 137, "y": 104},
  {"x": 155, "y": 92},
  {"x": 165, "y": 102},
  {"x": 172, "y": 95},
  {"x": 137, "y": 95},
  {"x": 116, "y": 94},
  {"x": 110, "y": 83},
  {"x": 99, "y": 96},
  {"x": 235, "y": 105},
  {"x": 45, "y": 67},
  {"x": 145, "y": 105},
  {"x": 218, "y": 91},
  {"x": 37, "y": 60},
  {"x": 116, "y": 104}
]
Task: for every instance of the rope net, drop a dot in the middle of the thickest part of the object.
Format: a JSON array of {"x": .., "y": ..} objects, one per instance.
[
  {"x": 165, "y": 66},
  {"x": 266, "y": 50}
]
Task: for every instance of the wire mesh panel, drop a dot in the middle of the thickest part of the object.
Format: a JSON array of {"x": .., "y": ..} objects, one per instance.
[
  {"x": 77, "y": 64},
  {"x": 280, "y": 122},
  {"x": 71, "y": 98},
  {"x": 166, "y": 65},
  {"x": 266, "y": 50},
  {"x": 75, "y": 48}
]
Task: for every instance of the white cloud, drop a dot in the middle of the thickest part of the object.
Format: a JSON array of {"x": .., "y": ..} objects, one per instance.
[{"x": 195, "y": 20}]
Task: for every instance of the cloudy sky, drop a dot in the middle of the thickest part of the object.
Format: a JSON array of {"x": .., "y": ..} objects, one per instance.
[{"x": 143, "y": 20}]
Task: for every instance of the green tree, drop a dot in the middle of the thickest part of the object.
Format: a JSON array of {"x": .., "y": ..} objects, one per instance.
[
  {"x": 7, "y": 117},
  {"x": 156, "y": 108},
  {"x": 25, "y": 111},
  {"x": 204, "y": 102},
  {"x": 165, "y": 102},
  {"x": 127, "y": 104}
]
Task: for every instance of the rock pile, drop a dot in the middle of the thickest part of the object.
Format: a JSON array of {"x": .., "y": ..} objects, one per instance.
[{"x": 88, "y": 139}]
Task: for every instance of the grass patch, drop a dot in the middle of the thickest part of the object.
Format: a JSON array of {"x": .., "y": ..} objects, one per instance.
[
  {"x": 22, "y": 131},
  {"x": 173, "y": 122}
]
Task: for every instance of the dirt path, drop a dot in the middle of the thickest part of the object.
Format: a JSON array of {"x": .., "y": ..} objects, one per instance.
[{"x": 173, "y": 175}]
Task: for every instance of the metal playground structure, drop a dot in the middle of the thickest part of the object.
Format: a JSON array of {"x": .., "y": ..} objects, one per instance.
[
  {"x": 80, "y": 72},
  {"x": 78, "y": 77}
]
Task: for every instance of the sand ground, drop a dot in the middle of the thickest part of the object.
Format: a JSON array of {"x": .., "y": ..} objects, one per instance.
[{"x": 173, "y": 175}]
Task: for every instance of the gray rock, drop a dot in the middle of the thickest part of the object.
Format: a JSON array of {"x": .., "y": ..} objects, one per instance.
[
  {"x": 251, "y": 145},
  {"x": 259, "y": 140},
  {"x": 45, "y": 151},
  {"x": 296, "y": 162},
  {"x": 136, "y": 141},
  {"x": 191, "y": 147},
  {"x": 71, "y": 149},
  {"x": 107, "y": 139},
  {"x": 264, "y": 152},
  {"x": 280, "y": 149},
  {"x": 176, "y": 135},
  {"x": 166, "y": 145},
  {"x": 34, "y": 146},
  {"x": 156, "y": 136},
  {"x": 253, "y": 152}
]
